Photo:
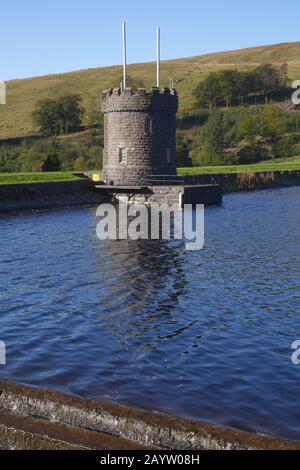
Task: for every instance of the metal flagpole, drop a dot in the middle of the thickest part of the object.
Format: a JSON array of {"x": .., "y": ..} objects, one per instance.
[
  {"x": 158, "y": 56},
  {"x": 124, "y": 53}
]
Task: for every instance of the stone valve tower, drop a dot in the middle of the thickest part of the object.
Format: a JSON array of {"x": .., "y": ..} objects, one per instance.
[
  {"x": 139, "y": 135},
  {"x": 139, "y": 155},
  {"x": 139, "y": 131}
]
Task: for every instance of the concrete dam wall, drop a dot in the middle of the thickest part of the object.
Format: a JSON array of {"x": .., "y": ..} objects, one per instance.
[
  {"x": 247, "y": 181},
  {"x": 35, "y": 196}
]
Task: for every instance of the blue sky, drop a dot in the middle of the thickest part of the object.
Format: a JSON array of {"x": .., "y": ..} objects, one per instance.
[{"x": 43, "y": 37}]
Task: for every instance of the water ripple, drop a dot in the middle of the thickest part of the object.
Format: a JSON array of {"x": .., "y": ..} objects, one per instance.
[{"x": 203, "y": 334}]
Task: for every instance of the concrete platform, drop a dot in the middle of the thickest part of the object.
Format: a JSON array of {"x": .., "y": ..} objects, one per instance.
[
  {"x": 39, "y": 419},
  {"x": 207, "y": 194}
]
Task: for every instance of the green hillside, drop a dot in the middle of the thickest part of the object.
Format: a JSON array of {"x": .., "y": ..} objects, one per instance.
[{"x": 22, "y": 95}]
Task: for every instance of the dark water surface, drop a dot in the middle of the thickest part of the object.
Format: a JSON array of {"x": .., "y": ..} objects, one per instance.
[{"x": 202, "y": 334}]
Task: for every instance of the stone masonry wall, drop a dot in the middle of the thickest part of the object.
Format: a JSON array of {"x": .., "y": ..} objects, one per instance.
[
  {"x": 160, "y": 194},
  {"x": 36, "y": 196},
  {"x": 144, "y": 125}
]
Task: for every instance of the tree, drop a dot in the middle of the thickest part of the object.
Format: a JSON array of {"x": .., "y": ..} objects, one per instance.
[
  {"x": 31, "y": 159},
  {"x": 40, "y": 156},
  {"x": 51, "y": 163},
  {"x": 214, "y": 137},
  {"x": 231, "y": 84},
  {"x": 228, "y": 80},
  {"x": 94, "y": 118},
  {"x": 9, "y": 161},
  {"x": 284, "y": 147},
  {"x": 244, "y": 85},
  {"x": 249, "y": 128},
  {"x": 266, "y": 79},
  {"x": 70, "y": 113},
  {"x": 62, "y": 116},
  {"x": 207, "y": 93},
  {"x": 80, "y": 164},
  {"x": 182, "y": 151},
  {"x": 46, "y": 116},
  {"x": 272, "y": 121},
  {"x": 284, "y": 75}
]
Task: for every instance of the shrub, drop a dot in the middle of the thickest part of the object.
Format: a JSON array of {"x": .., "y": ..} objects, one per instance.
[
  {"x": 183, "y": 147},
  {"x": 252, "y": 154},
  {"x": 272, "y": 121},
  {"x": 284, "y": 147}
]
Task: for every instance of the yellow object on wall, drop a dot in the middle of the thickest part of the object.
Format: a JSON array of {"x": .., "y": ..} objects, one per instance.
[{"x": 96, "y": 178}]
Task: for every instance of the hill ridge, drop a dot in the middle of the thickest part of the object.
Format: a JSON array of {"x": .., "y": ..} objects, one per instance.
[{"x": 22, "y": 94}]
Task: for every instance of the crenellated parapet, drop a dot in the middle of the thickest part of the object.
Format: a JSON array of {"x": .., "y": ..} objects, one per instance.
[{"x": 142, "y": 100}]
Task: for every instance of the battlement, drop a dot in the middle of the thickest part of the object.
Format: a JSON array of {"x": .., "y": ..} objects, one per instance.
[
  {"x": 117, "y": 100},
  {"x": 140, "y": 91}
]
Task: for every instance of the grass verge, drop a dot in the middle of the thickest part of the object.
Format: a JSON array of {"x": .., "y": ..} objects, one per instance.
[
  {"x": 27, "y": 178},
  {"x": 255, "y": 168}
]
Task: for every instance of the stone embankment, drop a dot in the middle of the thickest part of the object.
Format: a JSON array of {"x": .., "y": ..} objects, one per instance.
[
  {"x": 38, "y": 419},
  {"x": 36, "y": 196}
]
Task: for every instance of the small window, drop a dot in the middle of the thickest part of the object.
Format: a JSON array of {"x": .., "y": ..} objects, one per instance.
[
  {"x": 148, "y": 126},
  {"x": 123, "y": 155},
  {"x": 169, "y": 155}
]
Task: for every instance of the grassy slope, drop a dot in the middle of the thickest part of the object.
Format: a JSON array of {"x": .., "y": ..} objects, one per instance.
[{"x": 22, "y": 95}]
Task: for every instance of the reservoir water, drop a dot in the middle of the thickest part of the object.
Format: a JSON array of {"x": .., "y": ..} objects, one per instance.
[{"x": 201, "y": 334}]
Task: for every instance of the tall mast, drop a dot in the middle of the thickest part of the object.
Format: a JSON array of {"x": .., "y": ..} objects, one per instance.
[
  {"x": 124, "y": 53},
  {"x": 158, "y": 56}
]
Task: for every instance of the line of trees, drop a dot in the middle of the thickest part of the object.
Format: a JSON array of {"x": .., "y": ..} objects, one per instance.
[
  {"x": 53, "y": 154},
  {"x": 253, "y": 133},
  {"x": 59, "y": 116},
  {"x": 231, "y": 86},
  {"x": 238, "y": 135}
]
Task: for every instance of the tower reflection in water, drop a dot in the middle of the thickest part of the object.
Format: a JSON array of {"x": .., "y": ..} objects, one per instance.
[{"x": 141, "y": 283}]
